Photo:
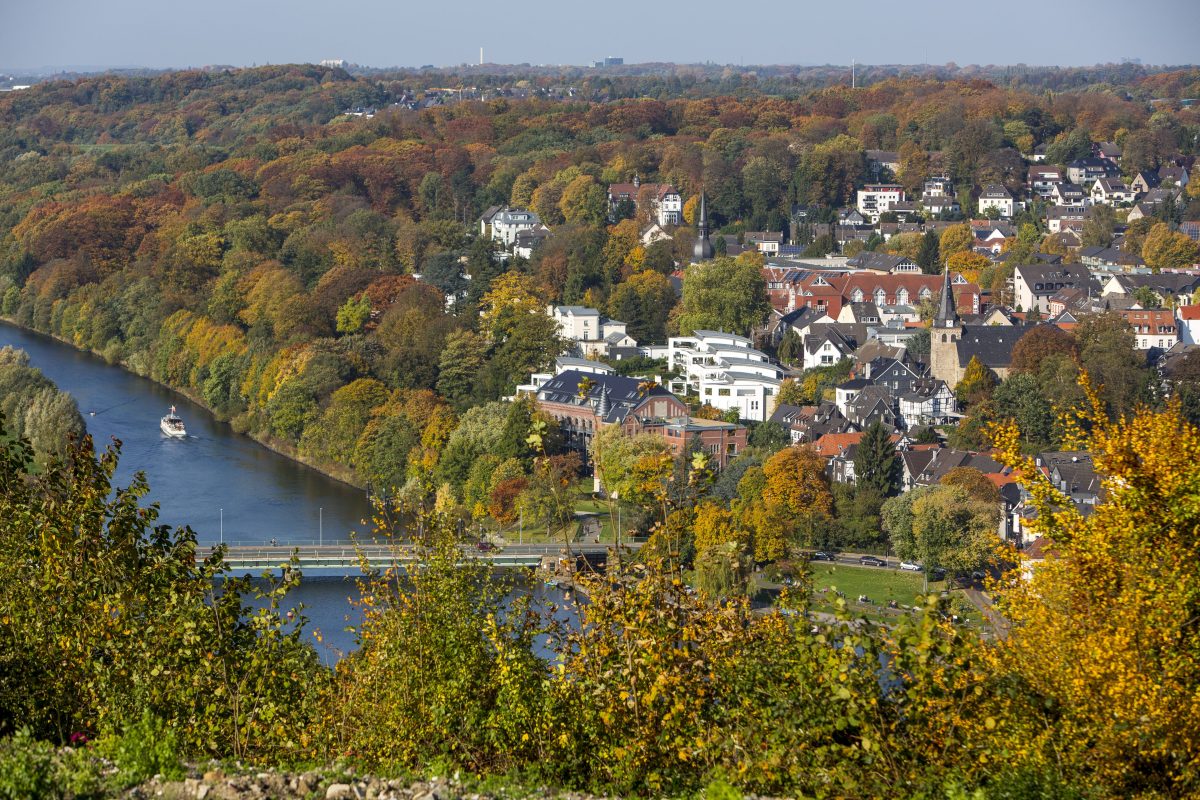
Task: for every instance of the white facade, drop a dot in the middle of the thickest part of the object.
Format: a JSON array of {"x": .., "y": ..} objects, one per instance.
[
  {"x": 592, "y": 332},
  {"x": 669, "y": 208},
  {"x": 1111, "y": 192},
  {"x": 508, "y": 222},
  {"x": 1187, "y": 321},
  {"x": 876, "y": 199},
  {"x": 725, "y": 371},
  {"x": 996, "y": 197}
]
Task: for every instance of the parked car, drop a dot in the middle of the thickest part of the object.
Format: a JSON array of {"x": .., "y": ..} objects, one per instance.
[
  {"x": 821, "y": 555},
  {"x": 911, "y": 566},
  {"x": 872, "y": 561},
  {"x": 485, "y": 546}
]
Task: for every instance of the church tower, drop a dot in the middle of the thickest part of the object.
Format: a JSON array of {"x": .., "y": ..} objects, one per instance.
[
  {"x": 703, "y": 249},
  {"x": 944, "y": 335}
]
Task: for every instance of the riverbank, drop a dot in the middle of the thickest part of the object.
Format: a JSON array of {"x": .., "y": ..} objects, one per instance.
[{"x": 288, "y": 451}]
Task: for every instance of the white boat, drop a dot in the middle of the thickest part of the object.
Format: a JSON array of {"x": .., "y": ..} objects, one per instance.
[{"x": 172, "y": 425}]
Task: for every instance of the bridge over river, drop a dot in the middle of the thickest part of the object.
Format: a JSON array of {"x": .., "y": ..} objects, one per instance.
[{"x": 344, "y": 559}]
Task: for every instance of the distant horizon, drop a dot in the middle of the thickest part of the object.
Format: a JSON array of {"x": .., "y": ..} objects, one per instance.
[
  {"x": 154, "y": 35},
  {"x": 97, "y": 69}
]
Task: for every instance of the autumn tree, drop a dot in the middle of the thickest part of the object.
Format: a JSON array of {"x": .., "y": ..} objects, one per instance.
[
  {"x": 1168, "y": 249},
  {"x": 973, "y": 482},
  {"x": 977, "y": 383},
  {"x": 1038, "y": 344},
  {"x": 796, "y": 491},
  {"x": 1119, "y": 574},
  {"x": 956, "y": 239},
  {"x": 725, "y": 294}
]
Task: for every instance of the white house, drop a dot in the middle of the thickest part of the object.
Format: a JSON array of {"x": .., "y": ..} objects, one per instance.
[
  {"x": 929, "y": 402},
  {"x": 592, "y": 333},
  {"x": 1152, "y": 328},
  {"x": 725, "y": 371},
  {"x": 665, "y": 201},
  {"x": 996, "y": 196},
  {"x": 1111, "y": 191},
  {"x": 877, "y": 198},
  {"x": 506, "y": 223},
  {"x": 1187, "y": 320}
]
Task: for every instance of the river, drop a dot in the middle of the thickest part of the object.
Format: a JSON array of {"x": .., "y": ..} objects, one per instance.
[{"x": 227, "y": 487}]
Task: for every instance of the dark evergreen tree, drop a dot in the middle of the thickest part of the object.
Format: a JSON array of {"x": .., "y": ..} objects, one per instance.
[
  {"x": 928, "y": 257},
  {"x": 876, "y": 465}
]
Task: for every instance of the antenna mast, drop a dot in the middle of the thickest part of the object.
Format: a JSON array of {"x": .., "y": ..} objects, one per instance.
[
  {"x": 481, "y": 56},
  {"x": 853, "y": 77}
]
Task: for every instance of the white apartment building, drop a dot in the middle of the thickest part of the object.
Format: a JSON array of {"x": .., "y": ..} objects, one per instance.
[
  {"x": 725, "y": 371},
  {"x": 877, "y": 198}
]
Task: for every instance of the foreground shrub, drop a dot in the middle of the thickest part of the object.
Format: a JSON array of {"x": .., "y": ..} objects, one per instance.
[{"x": 105, "y": 615}]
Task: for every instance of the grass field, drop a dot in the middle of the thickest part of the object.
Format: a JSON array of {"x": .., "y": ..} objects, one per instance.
[{"x": 881, "y": 585}]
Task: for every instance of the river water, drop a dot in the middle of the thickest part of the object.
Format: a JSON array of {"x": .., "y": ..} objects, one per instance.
[{"x": 227, "y": 487}]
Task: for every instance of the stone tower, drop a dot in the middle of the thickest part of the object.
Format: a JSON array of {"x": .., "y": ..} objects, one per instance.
[
  {"x": 944, "y": 335},
  {"x": 703, "y": 249}
]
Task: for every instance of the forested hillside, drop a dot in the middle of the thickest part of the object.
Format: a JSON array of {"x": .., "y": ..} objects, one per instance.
[{"x": 235, "y": 235}]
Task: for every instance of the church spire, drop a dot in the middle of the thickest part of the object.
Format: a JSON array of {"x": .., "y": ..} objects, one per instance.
[
  {"x": 703, "y": 249},
  {"x": 947, "y": 314}
]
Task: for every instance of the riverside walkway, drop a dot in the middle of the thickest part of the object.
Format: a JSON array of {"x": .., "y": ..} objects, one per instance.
[{"x": 344, "y": 559}]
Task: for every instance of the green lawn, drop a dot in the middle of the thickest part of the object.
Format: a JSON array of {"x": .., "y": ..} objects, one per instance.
[{"x": 881, "y": 585}]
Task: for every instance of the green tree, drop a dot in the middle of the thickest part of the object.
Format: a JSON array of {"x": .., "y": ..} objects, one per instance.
[
  {"x": 1020, "y": 398},
  {"x": 726, "y": 294},
  {"x": 353, "y": 315},
  {"x": 643, "y": 303},
  {"x": 928, "y": 256},
  {"x": 459, "y": 369},
  {"x": 1114, "y": 365},
  {"x": 943, "y": 527},
  {"x": 876, "y": 465},
  {"x": 791, "y": 348},
  {"x": 334, "y": 435}
]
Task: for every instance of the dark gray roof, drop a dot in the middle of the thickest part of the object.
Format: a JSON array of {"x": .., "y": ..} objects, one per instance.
[
  {"x": 991, "y": 344},
  {"x": 623, "y": 393},
  {"x": 880, "y": 261}
]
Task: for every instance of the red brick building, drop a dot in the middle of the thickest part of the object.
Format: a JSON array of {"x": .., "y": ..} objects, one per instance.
[{"x": 638, "y": 408}]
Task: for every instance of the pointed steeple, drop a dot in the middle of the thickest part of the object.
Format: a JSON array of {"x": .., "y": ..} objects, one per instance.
[
  {"x": 947, "y": 314},
  {"x": 602, "y": 407},
  {"x": 703, "y": 249}
]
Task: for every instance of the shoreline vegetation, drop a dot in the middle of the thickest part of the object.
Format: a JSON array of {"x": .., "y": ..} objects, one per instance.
[{"x": 334, "y": 471}]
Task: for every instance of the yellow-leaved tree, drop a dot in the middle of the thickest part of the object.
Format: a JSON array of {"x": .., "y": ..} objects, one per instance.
[{"x": 1104, "y": 637}]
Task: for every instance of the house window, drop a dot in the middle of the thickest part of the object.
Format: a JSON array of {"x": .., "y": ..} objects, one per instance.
[
  {"x": 856, "y": 296},
  {"x": 722, "y": 392}
]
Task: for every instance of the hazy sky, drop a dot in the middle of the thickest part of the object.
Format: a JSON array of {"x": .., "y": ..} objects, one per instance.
[{"x": 182, "y": 33}]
